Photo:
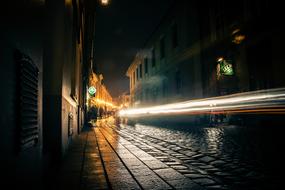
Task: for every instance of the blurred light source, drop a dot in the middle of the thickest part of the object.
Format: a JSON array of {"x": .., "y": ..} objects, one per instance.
[
  {"x": 220, "y": 59},
  {"x": 238, "y": 37},
  {"x": 105, "y": 2},
  {"x": 68, "y": 2}
]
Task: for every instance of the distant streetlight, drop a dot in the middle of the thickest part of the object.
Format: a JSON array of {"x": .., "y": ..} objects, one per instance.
[{"x": 105, "y": 2}]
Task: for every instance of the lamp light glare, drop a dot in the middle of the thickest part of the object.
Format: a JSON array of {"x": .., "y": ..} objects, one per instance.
[{"x": 104, "y": 2}]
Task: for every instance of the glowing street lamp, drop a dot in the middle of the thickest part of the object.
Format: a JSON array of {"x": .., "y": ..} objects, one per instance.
[{"x": 105, "y": 2}]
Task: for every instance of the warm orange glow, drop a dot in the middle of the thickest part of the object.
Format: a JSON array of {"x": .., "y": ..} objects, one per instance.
[
  {"x": 104, "y": 103},
  {"x": 105, "y": 2},
  {"x": 237, "y": 36},
  {"x": 68, "y": 2},
  {"x": 238, "y": 39}
]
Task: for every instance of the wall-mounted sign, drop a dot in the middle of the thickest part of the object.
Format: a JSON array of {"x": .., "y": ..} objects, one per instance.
[
  {"x": 224, "y": 67},
  {"x": 91, "y": 90}
]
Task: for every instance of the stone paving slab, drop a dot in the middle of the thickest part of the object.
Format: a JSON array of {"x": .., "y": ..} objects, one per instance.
[
  {"x": 196, "y": 164},
  {"x": 100, "y": 158},
  {"x": 140, "y": 171},
  {"x": 117, "y": 174},
  {"x": 82, "y": 167},
  {"x": 174, "y": 179}
]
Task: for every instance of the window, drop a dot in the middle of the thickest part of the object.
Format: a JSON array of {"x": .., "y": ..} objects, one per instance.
[
  {"x": 162, "y": 48},
  {"x": 220, "y": 17},
  {"x": 134, "y": 77},
  {"x": 174, "y": 35},
  {"x": 140, "y": 70},
  {"x": 28, "y": 128},
  {"x": 137, "y": 71},
  {"x": 220, "y": 26},
  {"x": 147, "y": 95},
  {"x": 178, "y": 83},
  {"x": 164, "y": 88},
  {"x": 153, "y": 57},
  {"x": 154, "y": 94},
  {"x": 146, "y": 65}
]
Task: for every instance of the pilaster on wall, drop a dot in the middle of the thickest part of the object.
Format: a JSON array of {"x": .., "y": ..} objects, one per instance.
[{"x": 54, "y": 57}]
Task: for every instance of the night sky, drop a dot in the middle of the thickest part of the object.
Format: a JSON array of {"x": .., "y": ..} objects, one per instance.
[{"x": 121, "y": 30}]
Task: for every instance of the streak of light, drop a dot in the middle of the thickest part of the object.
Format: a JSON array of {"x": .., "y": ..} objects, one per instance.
[{"x": 262, "y": 101}]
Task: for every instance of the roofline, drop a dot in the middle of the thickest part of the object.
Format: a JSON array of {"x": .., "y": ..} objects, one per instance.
[{"x": 134, "y": 63}]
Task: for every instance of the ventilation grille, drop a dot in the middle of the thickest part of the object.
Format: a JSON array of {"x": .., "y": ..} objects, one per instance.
[
  {"x": 70, "y": 124},
  {"x": 29, "y": 131}
]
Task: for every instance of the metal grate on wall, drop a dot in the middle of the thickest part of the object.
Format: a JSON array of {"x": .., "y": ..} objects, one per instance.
[
  {"x": 28, "y": 100},
  {"x": 70, "y": 124}
]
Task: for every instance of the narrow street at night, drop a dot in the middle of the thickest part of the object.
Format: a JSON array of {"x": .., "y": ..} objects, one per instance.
[{"x": 142, "y": 94}]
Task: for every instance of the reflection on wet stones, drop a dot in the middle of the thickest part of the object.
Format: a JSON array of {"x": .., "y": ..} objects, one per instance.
[{"x": 221, "y": 153}]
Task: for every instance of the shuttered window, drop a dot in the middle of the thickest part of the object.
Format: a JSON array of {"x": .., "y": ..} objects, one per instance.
[{"x": 28, "y": 100}]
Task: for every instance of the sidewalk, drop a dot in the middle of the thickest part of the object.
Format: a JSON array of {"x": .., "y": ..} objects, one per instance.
[
  {"x": 101, "y": 159},
  {"x": 83, "y": 168}
]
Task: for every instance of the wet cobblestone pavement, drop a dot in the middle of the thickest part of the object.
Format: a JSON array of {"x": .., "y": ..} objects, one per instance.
[
  {"x": 152, "y": 157},
  {"x": 228, "y": 157}
]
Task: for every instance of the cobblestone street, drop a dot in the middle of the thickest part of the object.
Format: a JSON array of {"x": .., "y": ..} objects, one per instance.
[
  {"x": 211, "y": 157},
  {"x": 148, "y": 157}
]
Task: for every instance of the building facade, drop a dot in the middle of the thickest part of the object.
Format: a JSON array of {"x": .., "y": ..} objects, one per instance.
[
  {"x": 45, "y": 66},
  {"x": 102, "y": 100},
  {"x": 167, "y": 69},
  {"x": 206, "y": 49},
  {"x": 123, "y": 101}
]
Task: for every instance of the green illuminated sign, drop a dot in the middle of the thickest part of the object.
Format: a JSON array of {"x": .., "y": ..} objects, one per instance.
[
  {"x": 225, "y": 68},
  {"x": 92, "y": 90}
]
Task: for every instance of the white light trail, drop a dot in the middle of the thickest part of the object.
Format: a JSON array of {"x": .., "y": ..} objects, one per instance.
[{"x": 247, "y": 101}]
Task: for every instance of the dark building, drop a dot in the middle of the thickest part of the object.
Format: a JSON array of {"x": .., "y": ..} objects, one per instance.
[
  {"x": 209, "y": 48},
  {"x": 247, "y": 35},
  {"x": 46, "y": 57}
]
